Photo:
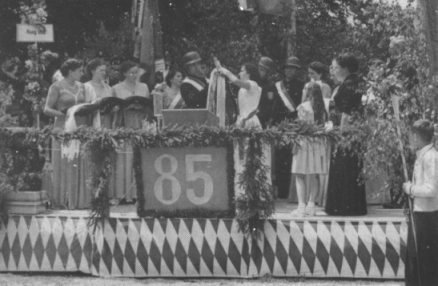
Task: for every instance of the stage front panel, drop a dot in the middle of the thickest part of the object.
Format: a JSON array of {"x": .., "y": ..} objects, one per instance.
[{"x": 194, "y": 247}]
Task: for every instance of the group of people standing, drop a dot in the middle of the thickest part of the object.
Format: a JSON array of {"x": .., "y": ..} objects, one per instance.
[
  {"x": 261, "y": 102},
  {"x": 70, "y": 171}
]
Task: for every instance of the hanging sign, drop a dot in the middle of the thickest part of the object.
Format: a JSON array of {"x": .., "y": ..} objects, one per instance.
[{"x": 35, "y": 33}]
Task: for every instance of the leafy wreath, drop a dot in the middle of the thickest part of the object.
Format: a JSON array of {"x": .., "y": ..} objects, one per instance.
[{"x": 250, "y": 209}]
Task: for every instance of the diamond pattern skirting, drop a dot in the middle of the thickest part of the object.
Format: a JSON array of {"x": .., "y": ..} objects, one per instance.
[{"x": 147, "y": 247}]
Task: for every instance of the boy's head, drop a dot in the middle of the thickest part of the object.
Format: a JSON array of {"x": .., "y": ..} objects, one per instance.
[{"x": 422, "y": 133}]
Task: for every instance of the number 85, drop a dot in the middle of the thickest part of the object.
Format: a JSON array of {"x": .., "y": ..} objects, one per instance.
[{"x": 191, "y": 176}]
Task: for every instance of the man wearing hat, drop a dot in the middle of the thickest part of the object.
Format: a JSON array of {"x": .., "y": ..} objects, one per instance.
[
  {"x": 194, "y": 88},
  {"x": 289, "y": 92},
  {"x": 266, "y": 111}
]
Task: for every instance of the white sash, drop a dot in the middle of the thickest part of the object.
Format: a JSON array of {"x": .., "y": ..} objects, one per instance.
[
  {"x": 216, "y": 96},
  {"x": 194, "y": 83},
  {"x": 284, "y": 97},
  {"x": 175, "y": 101}
]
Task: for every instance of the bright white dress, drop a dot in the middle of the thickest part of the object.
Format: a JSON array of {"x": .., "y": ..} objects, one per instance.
[
  {"x": 248, "y": 100},
  {"x": 312, "y": 156}
]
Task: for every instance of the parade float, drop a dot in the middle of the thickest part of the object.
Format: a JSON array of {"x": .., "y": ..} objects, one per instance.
[
  {"x": 195, "y": 217},
  {"x": 201, "y": 210}
]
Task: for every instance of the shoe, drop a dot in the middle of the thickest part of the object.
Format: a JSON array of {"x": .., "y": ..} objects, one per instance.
[
  {"x": 321, "y": 213},
  {"x": 300, "y": 211},
  {"x": 310, "y": 210}
]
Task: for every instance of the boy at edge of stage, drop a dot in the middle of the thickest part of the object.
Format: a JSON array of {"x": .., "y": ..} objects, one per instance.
[{"x": 424, "y": 191}]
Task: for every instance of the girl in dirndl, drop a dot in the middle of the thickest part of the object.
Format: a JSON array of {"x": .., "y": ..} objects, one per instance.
[{"x": 312, "y": 157}]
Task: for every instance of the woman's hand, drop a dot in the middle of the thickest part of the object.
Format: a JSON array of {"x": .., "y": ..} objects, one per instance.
[
  {"x": 53, "y": 112},
  {"x": 345, "y": 121},
  {"x": 223, "y": 71},
  {"x": 217, "y": 63},
  {"x": 407, "y": 188},
  {"x": 328, "y": 126},
  {"x": 157, "y": 92}
]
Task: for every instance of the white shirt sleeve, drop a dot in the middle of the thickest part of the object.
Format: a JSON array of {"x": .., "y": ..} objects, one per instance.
[{"x": 428, "y": 187}]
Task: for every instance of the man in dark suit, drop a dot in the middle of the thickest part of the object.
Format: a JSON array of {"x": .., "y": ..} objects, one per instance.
[
  {"x": 289, "y": 92},
  {"x": 266, "y": 107},
  {"x": 194, "y": 89}
]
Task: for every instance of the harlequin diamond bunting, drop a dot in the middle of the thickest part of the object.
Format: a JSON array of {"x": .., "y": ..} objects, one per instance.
[{"x": 148, "y": 247}]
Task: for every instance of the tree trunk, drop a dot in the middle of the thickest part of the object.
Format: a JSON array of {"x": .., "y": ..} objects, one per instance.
[
  {"x": 292, "y": 33},
  {"x": 429, "y": 16}
]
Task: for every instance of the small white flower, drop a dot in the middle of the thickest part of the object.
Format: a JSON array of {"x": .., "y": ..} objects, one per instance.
[
  {"x": 41, "y": 13},
  {"x": 33, "y": 18},
  {"x": 28, "y": 64}
]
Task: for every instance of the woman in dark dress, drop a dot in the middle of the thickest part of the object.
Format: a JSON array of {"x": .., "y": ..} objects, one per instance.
[{"x": 346, "y": 194}]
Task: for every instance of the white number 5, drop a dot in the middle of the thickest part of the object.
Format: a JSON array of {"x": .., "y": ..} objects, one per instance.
[{"x": 192, "y": 175}]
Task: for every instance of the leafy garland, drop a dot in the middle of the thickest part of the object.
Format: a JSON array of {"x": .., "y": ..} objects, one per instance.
[
  {"x": 257, "y": 202},
  {"x": 256, "y": 205}
]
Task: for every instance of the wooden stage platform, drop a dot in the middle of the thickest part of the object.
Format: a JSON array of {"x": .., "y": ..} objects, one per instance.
[{"x": 371, "y": 246}]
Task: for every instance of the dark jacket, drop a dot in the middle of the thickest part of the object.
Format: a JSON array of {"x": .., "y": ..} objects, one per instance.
[
  {"x": 194, "y": 98},
  {"x": 266, "y": 106},
  {"x": 294, "y": 89},
  {"x": 348, "y": 98}
]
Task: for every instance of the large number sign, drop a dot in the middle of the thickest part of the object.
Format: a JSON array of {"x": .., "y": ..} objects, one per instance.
[{"x": 184, "y": 179}]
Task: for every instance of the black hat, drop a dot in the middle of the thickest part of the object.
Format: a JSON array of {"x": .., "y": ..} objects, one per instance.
[
  {"x": 267, "y": 63},
  {"x": 191, "y": 58},
  {"x": 293, "y": 62}
]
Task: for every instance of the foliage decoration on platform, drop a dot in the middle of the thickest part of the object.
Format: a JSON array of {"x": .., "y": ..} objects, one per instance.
[
  {"x": 254, "y": 206},
  {"x": 257, "y": 203}
]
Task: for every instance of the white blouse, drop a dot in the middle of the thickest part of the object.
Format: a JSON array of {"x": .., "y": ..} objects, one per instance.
[
  {"x": 248, "y": 100},
  {"x": 425, "y": 180}
]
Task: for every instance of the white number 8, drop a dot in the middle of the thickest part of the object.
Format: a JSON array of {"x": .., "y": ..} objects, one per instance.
[{"x": 158, "y": 186}]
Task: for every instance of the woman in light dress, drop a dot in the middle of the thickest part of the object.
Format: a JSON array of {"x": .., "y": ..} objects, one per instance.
[
  {"x": 172, "y": 98},
  {"x": 170, "y": 91},
  {"x": 248, "y": 96},
  {"x": 97, "y": 87},
  {"x": 311, "y": 158},
  {"x": 130, "y": 86},
  {"x": 317, "y": 72},
  {"x": 248, "y": 102},
  {"x": 68, "y": 177},
  {"x": 131, "y": 117}
]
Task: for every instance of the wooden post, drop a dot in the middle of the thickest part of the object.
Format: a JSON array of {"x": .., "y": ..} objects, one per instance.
[
  {"x": 429, "y": 16},
  {"x": 158, "y": 32},
  {"x": 147, "y": 38},
  {"x": 292, "y": 32},
  {"x": 151, "y": 37}
]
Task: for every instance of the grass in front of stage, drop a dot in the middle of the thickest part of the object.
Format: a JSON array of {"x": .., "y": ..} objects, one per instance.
[{"x": 83, "y": 280}]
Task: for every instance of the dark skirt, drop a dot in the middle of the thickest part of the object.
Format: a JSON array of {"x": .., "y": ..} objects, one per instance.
[
  {"x": 345, "y": 193},
  {"x": 426, "y": 225},
  {"x": 283, "y": 162}
]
